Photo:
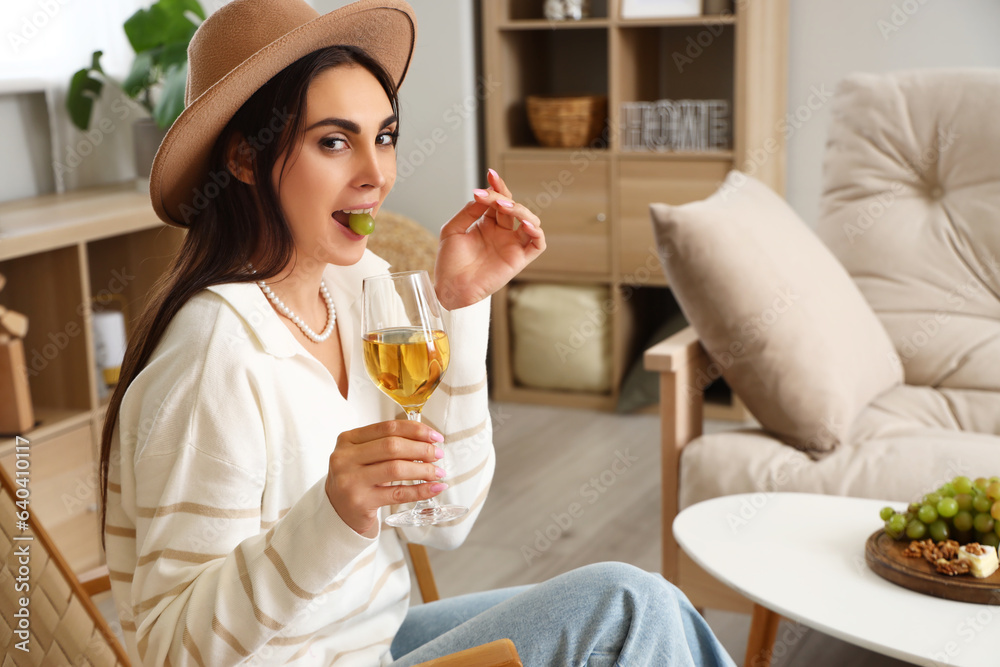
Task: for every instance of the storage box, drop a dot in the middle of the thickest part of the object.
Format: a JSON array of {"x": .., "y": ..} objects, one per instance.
[
  {"x": 561, "y": 336},
  {"x": 567, "y": 122},
  {"x": 16, "y": 414}
]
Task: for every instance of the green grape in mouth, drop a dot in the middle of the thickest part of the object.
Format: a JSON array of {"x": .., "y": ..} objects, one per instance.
[{"x": 362, "y": 223}]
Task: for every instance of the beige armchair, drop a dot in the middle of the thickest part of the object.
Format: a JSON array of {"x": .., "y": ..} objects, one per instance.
[{"x": 869, "y": 350}]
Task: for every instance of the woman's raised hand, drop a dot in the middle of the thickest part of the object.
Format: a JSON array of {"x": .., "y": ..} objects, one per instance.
[
  {"x": 486, "y": 244},
  {"x": 369, "y": 459}
]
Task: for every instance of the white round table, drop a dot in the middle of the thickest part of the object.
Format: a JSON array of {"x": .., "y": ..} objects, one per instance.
[{"x": 803, "y": 557}]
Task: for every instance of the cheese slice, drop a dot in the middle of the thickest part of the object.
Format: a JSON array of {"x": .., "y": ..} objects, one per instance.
[{"x": 981, "y": 564}]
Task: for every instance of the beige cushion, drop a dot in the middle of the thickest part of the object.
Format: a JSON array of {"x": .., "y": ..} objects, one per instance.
[
  {"x": 951, "y": 409},
  {"x": 911, "y": 208},
  {"x": 780, "y": 317},
  {"x": 901, "y": 467},
  {"x": 561, "y": 336},
  {"x": 901, "y": 445}
]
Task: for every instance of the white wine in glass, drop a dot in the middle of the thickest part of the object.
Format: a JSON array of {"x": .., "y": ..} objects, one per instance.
[{"x": 406, "y": 351}]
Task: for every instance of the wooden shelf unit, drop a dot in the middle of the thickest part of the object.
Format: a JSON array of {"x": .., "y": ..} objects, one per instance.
[
  {"x": 59, "y": 252},
  {"x": 594, "y": 201}
]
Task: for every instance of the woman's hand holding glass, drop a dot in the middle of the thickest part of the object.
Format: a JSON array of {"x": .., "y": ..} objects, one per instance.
[
  {"x": 406, "y": 353},
  {"x": 369, "y": 460},
  {"x": 486, "y": 244}
]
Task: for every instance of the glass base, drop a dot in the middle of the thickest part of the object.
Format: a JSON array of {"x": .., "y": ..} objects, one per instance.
[{"x": 426, "y": 516}]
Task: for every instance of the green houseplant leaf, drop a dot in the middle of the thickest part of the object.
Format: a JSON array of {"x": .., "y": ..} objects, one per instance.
[
  {"x": 140, "y": 78},
  {"x": 171, "y": 102},
  {"x": 165, "y": 22},
  {"x": 172, "y": 54},
  {"x": 159, "y": 36},
  {"x": 84, "y": 88}
]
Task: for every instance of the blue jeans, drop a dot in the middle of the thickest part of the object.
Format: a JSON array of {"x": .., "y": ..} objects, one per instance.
[{"x": 604, "y": 614}]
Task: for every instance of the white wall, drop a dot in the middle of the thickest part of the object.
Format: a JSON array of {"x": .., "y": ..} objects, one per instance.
[
  {"x": 437, "y": 152},
  {"x": 832, "y": 38}
]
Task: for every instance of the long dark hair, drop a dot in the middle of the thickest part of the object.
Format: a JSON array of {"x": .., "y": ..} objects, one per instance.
[{"x": 242, "y": 223}]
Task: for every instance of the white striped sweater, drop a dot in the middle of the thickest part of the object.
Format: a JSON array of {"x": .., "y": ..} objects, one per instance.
[{"x": 222, "y": 544}]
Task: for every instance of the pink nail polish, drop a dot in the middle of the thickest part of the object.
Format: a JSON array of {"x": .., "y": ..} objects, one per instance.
[
  {"x": 439, "y": 472},
  {"x": 527, "y": 224},
  {"x": 494, "y": 174},
  {"x": 481, "y": 193},
  {"x": 436, "y": 437},
  {"x": 439, "y": 452},
  {"x": 438, "y": 487},
  {"x": 505, "y": 204}
]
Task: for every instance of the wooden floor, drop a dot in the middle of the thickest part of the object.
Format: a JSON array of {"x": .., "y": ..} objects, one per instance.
[{"x": 553, "y": 463}]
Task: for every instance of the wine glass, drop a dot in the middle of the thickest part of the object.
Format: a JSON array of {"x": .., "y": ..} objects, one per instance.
[{"x": 406, "y": 352}]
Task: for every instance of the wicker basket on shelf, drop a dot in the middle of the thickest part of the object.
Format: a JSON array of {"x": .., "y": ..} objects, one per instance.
[{"x": 567, "y": 122}]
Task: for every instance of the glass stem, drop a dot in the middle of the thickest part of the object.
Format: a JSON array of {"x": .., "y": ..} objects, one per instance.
[{"x": 430, "y": 503}]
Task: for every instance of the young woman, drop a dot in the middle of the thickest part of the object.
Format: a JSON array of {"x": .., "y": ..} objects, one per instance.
[{"x": 247, "y": 459}]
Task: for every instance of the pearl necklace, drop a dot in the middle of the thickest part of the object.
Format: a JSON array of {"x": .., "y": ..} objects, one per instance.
[{"x": 287, "y": 312}]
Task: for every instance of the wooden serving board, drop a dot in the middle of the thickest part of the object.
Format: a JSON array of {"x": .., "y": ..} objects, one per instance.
[{"x": 884, "y": 556}]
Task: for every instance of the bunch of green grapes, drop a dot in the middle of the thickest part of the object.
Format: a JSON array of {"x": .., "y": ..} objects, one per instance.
[{"x": 962, "y": 510}]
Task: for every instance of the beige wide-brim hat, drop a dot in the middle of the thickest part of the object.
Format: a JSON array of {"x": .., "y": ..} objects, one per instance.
[{"x": 237, "y": 50}]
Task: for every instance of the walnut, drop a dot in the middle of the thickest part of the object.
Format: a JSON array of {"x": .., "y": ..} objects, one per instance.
[
  {"x": 951, "y": 567},
  {"x": 922, "y": 548},
  {"x": 975, "y": 548},
  {"x": 948, "y": 549},
  {"x": 943, "y": 555}
]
